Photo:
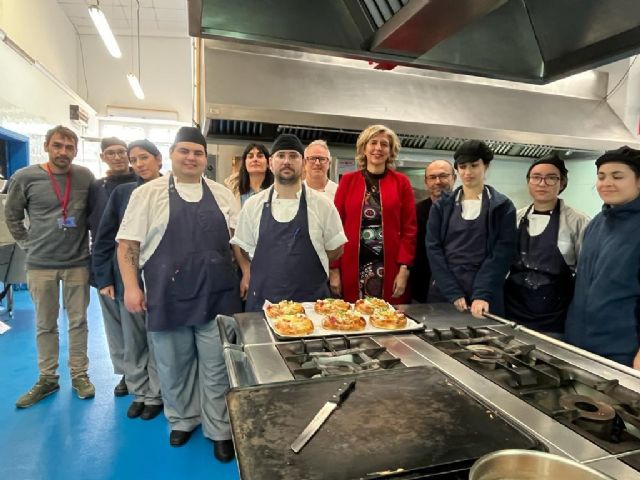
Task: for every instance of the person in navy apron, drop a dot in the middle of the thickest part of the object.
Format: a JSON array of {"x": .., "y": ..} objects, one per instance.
[
  {"x": 471, "y": 237},
  {"x": 189, "y": 278},
  {"x": 604, "y": 316},
  {"x": 539, "y": 288},
  {"x": 289, "y": 233}
]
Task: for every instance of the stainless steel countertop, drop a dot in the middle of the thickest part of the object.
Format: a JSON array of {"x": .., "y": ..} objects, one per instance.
[{"x": 255, "y": 339}]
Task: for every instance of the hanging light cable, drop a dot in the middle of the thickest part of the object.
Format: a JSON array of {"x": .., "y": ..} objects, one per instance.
[
  {"x": 134, "y": 81},
  {"x": 100, "y": 21}
]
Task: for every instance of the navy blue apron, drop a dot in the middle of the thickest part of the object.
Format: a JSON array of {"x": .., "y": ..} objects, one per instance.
[
  {"x": 540, "y": 285},
  {"x": 285, "y": 265},
  {"x": 190, "y": 277},
  {"x": 465, "y": 248}
]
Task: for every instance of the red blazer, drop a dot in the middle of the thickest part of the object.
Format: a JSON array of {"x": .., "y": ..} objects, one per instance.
[{"x": 398, "y": 230}]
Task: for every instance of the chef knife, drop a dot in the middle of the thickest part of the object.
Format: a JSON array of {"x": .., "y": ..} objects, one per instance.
[{"x": 327, "y": 409}]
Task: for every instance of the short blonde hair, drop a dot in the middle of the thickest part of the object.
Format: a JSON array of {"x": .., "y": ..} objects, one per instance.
[{"x": 370, "y": 132}]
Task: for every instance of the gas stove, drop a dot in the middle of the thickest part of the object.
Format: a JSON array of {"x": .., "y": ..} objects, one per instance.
[
  {"x": 563, "y": 398},
  {"x": 599, "y": 409},
  {"x": 328, "y": 356}
]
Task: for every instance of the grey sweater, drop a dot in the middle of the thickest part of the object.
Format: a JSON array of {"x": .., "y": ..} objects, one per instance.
[{"x": 47, "y": 245}]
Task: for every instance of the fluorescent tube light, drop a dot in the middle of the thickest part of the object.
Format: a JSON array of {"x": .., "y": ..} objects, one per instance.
[
  {"x": 100, "y": 21},
  {"x": 135, "y": 86}
]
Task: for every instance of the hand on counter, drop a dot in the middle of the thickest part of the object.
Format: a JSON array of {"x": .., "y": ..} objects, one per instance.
[
  {"x": 400, "y": 282},
  {"x": 636, "y": 361},
  {"x": 478, "y": 307},
  {"x": 134, "y": 300},
  {"x": 461, "y": 304},
  {"x": 108, "y": 291},
  {"x": 334, "y": 282}
]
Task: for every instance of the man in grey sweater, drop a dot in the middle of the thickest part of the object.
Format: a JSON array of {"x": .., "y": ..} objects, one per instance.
[{"x": 54, "y": 197}]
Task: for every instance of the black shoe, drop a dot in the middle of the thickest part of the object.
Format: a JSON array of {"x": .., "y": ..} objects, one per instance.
[
  {"x": 135, "y": 409},
  {"x": 223, "y": 450},
  {"x": 179, "y": 438},
  {"x": 121, "y": 389},
  {"x": 151, "y": 411}
]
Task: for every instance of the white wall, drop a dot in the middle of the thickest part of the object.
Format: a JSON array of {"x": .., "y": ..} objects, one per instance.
[
  {"x": 165, "y": 72},
  {"x": 42, "y": 29}
]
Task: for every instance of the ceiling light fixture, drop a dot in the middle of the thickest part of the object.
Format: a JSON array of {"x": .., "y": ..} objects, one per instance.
[
  {"x": 135, "y": 86},
  {"x": 100, "y": 21},
  {"x": 134, "y": 80}
]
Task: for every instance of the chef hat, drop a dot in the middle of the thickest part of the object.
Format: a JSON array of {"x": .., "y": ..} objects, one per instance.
[
  {"x": 144, "y": 145},
  {"x": 626, "y": 155},
  {"x": 472, "y": 150},
  {"x": 192, "y": 135},
  {"x": 287, "y": 141},
  {"x": 556, "y": 161},
  {"x": 109, "y": 141}
]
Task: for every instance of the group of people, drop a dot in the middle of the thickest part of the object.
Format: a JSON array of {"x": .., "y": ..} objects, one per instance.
[{"x": 170, "y": 253}]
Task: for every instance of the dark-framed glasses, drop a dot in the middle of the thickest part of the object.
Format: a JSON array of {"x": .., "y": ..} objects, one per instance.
[
  {"x": 549, "y": 180},
  {"x": 317, "y": 158},
  {"x": 443, "y": 177},
  {"x": 115, "y": 153}
]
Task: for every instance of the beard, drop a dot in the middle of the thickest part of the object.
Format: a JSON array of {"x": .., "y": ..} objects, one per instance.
[{"x": 288, "y": 180}]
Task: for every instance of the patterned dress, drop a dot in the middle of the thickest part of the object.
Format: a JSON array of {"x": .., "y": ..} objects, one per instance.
[{"x": 371, "y": 241}]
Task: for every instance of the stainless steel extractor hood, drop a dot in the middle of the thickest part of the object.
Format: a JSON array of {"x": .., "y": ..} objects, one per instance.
[
  {"x": 533, "y": 41},
  {"x": 258, "y": 92}
]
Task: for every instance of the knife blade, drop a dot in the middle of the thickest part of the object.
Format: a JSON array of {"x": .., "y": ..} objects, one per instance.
[{"x": 327, "y": 409}]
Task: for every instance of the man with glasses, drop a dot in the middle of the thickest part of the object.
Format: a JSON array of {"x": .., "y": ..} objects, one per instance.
[
  {"x": 439, "y": 177},
  {"x": 54, "y": 197},
  {"x": 317, "y": 161},
  {"x": 539, "y": 288},
  {"x": 114, "y": 155},
  {"x": 289, "y": 233},
  {"x": 176, "y": 229}
]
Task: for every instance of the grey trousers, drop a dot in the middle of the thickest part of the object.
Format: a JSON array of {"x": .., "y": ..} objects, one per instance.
[
  {"x": 193, "y": 379},
  {"x": 44, "y": 286},
  {"x": 140, "y": 371},
  {"x": 113, "y": 330}
]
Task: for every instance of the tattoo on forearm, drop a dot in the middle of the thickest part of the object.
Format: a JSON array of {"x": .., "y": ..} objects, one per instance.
[{"x": 132, "y": 254}]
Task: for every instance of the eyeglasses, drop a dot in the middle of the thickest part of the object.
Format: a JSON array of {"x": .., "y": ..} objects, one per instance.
[
  {"x": 284, "y": 155},
  {"x": 115, "y": 153},
  {"x": 549, "y": 180},
  {"x": 317, "y": 159},
  {"x": 443, "y": 177}
]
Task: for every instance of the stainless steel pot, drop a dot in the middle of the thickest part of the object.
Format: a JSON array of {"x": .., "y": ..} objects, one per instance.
[{"x": 530, "y": 465}]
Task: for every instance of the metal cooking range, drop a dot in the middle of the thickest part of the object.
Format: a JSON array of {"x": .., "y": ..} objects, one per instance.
[
  {"x": 601, "y": 410},
  {"x": 575, "y": 406},
  {"x": 327, "y": 356}
]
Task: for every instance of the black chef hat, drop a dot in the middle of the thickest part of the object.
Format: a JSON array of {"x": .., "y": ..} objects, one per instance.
[
  {"x": 626, "y": 155},
  {"x": 191, "y": 134},
  {"x": 556, "y": 161},
  {"x": 144, "y": 145},
  {"x": 109, "y": 141},
  {"x": 472, "y": 150},
  {"x": 287, "y": 141}
]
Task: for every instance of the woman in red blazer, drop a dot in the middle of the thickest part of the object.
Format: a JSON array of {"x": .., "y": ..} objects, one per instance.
[{"x": 378, "y": 213}]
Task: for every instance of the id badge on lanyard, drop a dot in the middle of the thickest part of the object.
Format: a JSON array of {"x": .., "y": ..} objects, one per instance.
[{"x": 65, "y": 221}]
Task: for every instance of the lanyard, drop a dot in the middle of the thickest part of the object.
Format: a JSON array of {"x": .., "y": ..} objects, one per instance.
[{"x": 64, "y": 200}]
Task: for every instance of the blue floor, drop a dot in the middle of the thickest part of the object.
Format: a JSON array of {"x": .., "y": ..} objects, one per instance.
[{"x": 63, "y": 437}]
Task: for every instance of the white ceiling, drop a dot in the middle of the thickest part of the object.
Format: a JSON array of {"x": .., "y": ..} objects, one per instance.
[{"x": 160, "y": 18}]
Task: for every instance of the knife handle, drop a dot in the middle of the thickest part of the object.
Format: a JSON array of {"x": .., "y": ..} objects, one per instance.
[{"x": 344, "y": 391}]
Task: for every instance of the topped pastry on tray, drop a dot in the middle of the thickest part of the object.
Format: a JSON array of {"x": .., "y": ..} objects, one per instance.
[
  {"x": 368, "y": 304},
  {"x": 331, "y": 305},
  {"x": 285, "y": 307},
  {"x": 388, "y": 318},
  {"x": 344, "y": 321},
  {"x": 293, "y": 325}
]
